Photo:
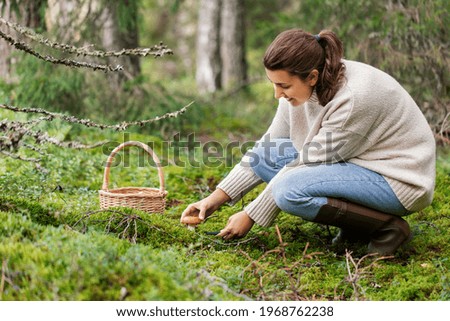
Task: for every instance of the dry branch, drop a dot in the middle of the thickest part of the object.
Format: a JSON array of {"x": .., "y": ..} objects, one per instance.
[
  {"x": 356, "y": 271},
  {"x": 219, "y": 282},
  {"x": 88, "y": 123},
  {"x": 22, "y": 46},
  {"x": 156, "y": 51},
  {"x": 261, "y": 270},
  {"x": 5, "y": 278},
  {"x": 125, "y": 222},
  {"x": 15, "y": 131}
]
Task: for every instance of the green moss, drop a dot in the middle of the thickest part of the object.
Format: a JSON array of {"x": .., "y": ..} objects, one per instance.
[
  {"x": 36, "y": 212},
  {"x": 57, "y": 245},
  {"x": 65, "y": 265}
]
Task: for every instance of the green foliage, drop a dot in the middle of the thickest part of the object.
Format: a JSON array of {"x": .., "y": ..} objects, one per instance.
[
  {"x": 44, "y": 85},
  {"x": 406, "y": 39}
]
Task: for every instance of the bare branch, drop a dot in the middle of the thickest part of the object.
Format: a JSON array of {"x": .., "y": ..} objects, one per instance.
[
  {"x": 156, "y": 51},
  {"x": 33, "y": 148},
  {"x": 19, "y": 45},
  {"x": 356, "y": 273},
  {"x": 88, "y": 123},
  {"x": 18, "y": 131},
  {"x": 219, "y": 282},
  {"x": 13, "y": 133},
  {"x": 33, "y": 160}
]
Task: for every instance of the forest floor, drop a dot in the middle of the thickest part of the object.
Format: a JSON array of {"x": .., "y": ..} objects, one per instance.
[{"x": 55, "y": 243}]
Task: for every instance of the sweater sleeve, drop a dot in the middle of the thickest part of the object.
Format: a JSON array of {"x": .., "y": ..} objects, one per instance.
[
  {"x": 241, "y": 178},
  {"x": 239, "y": 182}
]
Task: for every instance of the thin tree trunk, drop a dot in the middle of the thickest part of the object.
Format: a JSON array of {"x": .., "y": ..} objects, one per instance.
[
  {"x": 184, "y": 29},
  {"x": 5, "y": 48},
  {"x": 232, "y": 44},
  {"x": 95, "y": 21},
  {"x": 208, "y": 74},
  {"x": 27, "y": 16},
  {"x": 65, "y": 19},
  {"x": 116, "y": 37}
]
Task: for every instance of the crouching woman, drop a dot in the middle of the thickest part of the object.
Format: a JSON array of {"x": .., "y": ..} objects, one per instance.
[{"x": 348, "y": 147}]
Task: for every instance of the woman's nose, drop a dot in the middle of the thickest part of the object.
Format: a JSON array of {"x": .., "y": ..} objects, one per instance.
[{"x": 278, "y": 92}]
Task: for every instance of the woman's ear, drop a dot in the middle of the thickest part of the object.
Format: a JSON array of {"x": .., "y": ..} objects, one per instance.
[{"x": 313, "y": 77}]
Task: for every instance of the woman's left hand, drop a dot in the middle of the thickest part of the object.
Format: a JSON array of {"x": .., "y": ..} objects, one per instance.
[{"x": 238, "y": 226}]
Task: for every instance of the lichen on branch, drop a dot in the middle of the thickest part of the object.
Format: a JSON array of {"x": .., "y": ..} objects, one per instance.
[{"x": 157, "y": 50}]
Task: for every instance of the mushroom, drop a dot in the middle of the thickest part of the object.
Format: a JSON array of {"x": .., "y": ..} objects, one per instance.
[{"x": 191, "y": 221}]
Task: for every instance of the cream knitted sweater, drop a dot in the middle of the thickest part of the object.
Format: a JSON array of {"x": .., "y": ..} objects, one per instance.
[{"x": 371, "y": 122}]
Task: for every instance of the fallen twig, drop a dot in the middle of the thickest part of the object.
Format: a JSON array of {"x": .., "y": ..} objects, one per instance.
[
  {"x": 5, "y": 279},
  {"x": 262, "y": 272},
  {"x": 219, "y": 282},
  {"x": 356, "y": 272}
]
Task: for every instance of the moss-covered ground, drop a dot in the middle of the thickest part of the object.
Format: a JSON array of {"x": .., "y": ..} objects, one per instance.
[{"x": 55, "y": 244}]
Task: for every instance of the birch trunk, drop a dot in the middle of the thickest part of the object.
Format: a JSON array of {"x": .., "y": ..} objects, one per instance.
[
  {"x": 232, "y": 44},
  {"x": 28, "y": 16},
  {"x": 208, "y": 74}
]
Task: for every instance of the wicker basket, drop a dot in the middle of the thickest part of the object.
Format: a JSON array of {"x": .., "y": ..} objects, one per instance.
[{"x": 151, "y": 200}]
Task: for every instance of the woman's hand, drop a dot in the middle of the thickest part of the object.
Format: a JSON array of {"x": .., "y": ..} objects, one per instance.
[
  {"x": 238, "y": 226},
  {"x": 205, "y": 207}
]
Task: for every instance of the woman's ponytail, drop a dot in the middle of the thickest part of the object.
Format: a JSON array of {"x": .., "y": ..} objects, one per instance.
[{"x": 332, "y": 74}]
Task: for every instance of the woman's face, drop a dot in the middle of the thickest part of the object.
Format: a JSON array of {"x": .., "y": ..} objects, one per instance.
[{"x": 295, "y": 90}]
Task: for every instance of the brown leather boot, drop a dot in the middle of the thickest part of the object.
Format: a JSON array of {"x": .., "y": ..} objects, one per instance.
[
  {"x": 385, "y": 232},
  {"x": 350, "y": 236}
]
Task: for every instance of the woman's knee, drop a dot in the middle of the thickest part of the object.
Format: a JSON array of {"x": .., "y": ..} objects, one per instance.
[
  {"x": 266, "y": 158},
  {"x": 293, "y": 198},
  {"x": 257, "y": 159},
  {"x": 287, "y": 196}
]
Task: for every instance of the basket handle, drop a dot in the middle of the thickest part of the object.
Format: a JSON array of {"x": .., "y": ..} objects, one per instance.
[{"x": 144, "y": 147}]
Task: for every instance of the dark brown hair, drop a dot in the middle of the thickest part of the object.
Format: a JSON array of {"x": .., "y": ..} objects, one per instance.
[{"x": 299, "y": 52}]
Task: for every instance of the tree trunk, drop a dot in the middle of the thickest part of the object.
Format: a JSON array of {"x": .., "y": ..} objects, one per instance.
[
  {"x": 232, "y": 44},
  {"x": 221, "y": 45},
  {"x": 92, "y": 21},
  {"x": 27, "y": 16},
  {"x": 208, "y": 74},
  {"x": 116, "y": 35},
  {"x": 5, "y": 48},
  {"x": 66, "y": 19},
  {"x": 184, "y": 30}
]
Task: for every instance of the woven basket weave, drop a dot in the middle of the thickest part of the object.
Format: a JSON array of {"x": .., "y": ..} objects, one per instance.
[{"x": 151, "y": 200}]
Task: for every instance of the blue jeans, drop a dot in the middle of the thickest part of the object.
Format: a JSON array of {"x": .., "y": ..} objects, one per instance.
[{"x": 304, "y": 190}]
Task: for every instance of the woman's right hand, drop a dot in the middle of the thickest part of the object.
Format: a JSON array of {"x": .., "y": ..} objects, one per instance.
[{"x": 205, "y": 207}]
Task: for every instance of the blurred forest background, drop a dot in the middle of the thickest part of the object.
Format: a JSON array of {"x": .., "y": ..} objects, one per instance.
[{"x": 218, "y": 47}]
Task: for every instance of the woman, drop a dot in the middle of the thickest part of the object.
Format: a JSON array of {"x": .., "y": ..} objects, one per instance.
[{"x": 348, "y": 147}]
